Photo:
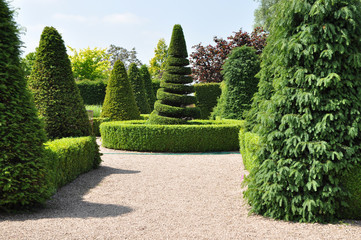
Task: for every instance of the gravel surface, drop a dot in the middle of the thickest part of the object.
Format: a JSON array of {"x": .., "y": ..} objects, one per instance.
[{"x": 158, "y": 196}]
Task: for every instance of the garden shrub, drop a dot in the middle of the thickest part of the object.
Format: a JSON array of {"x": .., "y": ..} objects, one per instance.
[
  {"x": 207, "y": 95},
  {"x": 248, "y": 146},
  {"x": 173, "y": 97},
  {"x": 239, "y": 83},
  {"x": 197, "y": 136},
  {"x": 307, "y": 113},
  {"x": 92, "y": 91},
  {"x": 150, "y": 93},
  {"x": 23, "y": 181},
  {"x": 70, "y": 157},
  {"x": 119, "y": 102},
  {"x": 55, "y": 93},
  {"x": 138, "y": 87},
  {"x": 155, "y": 85},
  {"x": 96, "y": 124}
]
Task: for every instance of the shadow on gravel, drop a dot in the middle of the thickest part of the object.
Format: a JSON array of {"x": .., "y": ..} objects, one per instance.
[{"x": 68, "y": 202}]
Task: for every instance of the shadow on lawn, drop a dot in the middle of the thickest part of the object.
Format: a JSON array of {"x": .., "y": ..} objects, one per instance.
[{"x": 68, "y": 202}]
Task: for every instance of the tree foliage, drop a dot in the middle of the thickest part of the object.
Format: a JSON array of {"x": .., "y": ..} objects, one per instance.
[
  {"x": 138, "y": 87},
  {"x": 173, "y": 98},
  {"x": 127, "y": 57},
  {"x": 92, "y": 64},
  {"x": 307, "y": 110},
  {"x": 158, "y": 62},
  {"x": 27, "y": 63},
  {"x": 55, "y": 93},
  {"x": 207, "y": 61},
  {"x": 264, "y": 13},
  {"x": 148, "y": 85}
]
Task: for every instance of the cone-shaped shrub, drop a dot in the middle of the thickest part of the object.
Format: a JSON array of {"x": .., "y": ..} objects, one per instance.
[
  {"x": 239, "y": 84},
  {"x": 145, "y": 75},
  {"x": 173, "y": 97},
  {"x": 23, "y": 181},
  {"x": 138, "y": 87},
  {"x": 119, "y": 103},
  {"x": 308, "y": 110},
  {"x": 56, "y": 95}
]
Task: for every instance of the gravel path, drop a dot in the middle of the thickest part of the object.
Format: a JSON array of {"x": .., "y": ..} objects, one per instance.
[{"x": 142, "y": 196}]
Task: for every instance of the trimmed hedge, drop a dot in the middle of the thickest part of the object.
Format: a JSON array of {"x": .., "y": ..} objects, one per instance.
[
  {"x": 70, "y": 157},
  {"x": 92, "y": 92},
  {"x": 248, "y": 146},
  {"x": 197, "y": 136},
  {"x": 207, "y": 95}
]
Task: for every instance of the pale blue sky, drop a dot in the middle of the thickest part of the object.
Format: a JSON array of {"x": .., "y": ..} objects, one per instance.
[{"x": 132, "y": 23}]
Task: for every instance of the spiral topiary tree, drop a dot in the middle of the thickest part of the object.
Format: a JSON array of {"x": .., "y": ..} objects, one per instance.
[
  {"x": 55, "y": 93},
  {"x": 138, "y": 87},
  {"x": 145, "y": 75},
  {"x": 307, "y": 111},
  {"x": 173, "y": 97},
  {"x": 23, "y": 173},
  {"x": 119, "y": 103},
  {"x": 239, "y": 84}
]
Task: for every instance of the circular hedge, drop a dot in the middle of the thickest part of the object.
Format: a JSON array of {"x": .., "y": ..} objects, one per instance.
[{"x": 197, "y": 136}]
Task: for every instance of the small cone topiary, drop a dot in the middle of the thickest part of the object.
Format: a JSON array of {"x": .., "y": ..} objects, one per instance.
[
  {"x": 56, "y": 95},
  {"x": 145, "y": 75},
  {"x": 23, "y": 172},
  {"x": 138, "y": 87},
  {"x": 119, "y": 103},
  {"x": 173, "y": 97}
]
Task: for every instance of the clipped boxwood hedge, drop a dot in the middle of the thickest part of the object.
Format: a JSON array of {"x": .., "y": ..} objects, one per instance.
[
  {"x": 207, "y": 95},
  {"x": 198, "y": 136},
  {"x": 92, "y": 92},
  {"x": 70, "y": 157},
  {"x": 249, "y": 144}
]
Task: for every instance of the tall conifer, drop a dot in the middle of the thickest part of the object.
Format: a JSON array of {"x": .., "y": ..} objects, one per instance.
[{"x": 138, "y": 87}]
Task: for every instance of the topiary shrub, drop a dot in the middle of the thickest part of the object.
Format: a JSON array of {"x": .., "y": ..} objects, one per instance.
[
  {"x": 150, "y": 93},
  {"x": 248, "y": 146},
  {"x": 92, "y": 91},
  {"x": 55, "y": 93},
  {"x": 307, "y": 114},
  {"x": 207, "y": 95},
  {"x": 173, "y": 98},
  {"x": 138, "y": 86},
  {"x": 119, "y": 102},
  {"x": 23, "y": 173},
  {"x": 239, "y": 83},
  {"x": 351, "y": 181}
]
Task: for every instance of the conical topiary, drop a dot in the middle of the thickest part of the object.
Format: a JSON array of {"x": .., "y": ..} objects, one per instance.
[
  {"x": 145, "y": 75},
  {"x": 23, "y": 181},
  {"x": 307, "y": 112},
  {"x": 138, "y": 88},
  {"x": 173, "y": 97},
  {"x": 119, "y": 103},
  {"x": 56, "y": 95},
  {"x": 239, "y": 83}
]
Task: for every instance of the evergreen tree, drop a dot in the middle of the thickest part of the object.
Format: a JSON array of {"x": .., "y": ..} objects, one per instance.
[
  {"x": 119, "y": 103},
  {"x": 144, "y": 74},
  {"x": 307, "y": 111},
  {"x": 23, "y": 181},
  {"x": 173, "y": 97},
  {"x": 56, "y": 95},
  {"x": 138, "y": 87},
  {"x": 239, "y": 83}
]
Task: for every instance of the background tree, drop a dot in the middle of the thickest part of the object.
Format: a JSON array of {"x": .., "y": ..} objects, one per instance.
[
  {"x": 119, "y": 103},
  {"x": 138, "y": 87},
  {"x": 239, "y": 83},
  {"x": 23, "y": 180},
  {"x": 307, "y": 111},
  {"x": 263, "y": 12},
  {"x": 173, "y": 98},
  {"x": 144, "y": 74},
  {"x": 55, "y": 93},
  {"x": 89, "y": 63},
  {"x": 27, "y": 63},
  {"x": 158, "y": 62},
  {"x": 122, "y": 54},
  {"x": 207, "y": 61}
]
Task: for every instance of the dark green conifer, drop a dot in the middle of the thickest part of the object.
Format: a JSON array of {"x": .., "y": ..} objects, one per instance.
[
  {"x": 239, "y": 84},
  {"x": 307, "y": 111},
  {"x": 138, "y": 87},
  {"x": 145, "y": 75},
  {"x": 173, "y": 97},
  {"x": 119, "y": 103},
  {"x": 56, "y": 95},
  {"x": 23, "y": 181}
]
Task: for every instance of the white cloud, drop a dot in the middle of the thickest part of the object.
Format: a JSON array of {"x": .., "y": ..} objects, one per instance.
[{"x": 123, "y": 18}]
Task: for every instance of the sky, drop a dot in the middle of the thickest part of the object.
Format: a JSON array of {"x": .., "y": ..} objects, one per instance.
[{"x": 135, "y": 23}]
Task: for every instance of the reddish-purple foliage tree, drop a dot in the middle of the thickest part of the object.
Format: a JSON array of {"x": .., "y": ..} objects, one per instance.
[{"x": 207, "y": 61}]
